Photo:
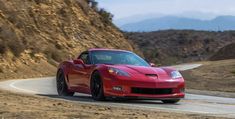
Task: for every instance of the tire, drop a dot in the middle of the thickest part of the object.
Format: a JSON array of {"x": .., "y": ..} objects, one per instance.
[
  {"x": 62, "y": 88},
  {"x": 97, "y": 91},
  {"x": 173, "y": 101}
]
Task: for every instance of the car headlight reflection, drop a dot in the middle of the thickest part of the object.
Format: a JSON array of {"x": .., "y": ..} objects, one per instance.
[
  {"x": 175, "y": 74},
  {"x": 118, "y": 72}
]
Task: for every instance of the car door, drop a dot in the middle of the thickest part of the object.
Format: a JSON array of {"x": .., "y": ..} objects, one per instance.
[{"x": 80, "y": 74}]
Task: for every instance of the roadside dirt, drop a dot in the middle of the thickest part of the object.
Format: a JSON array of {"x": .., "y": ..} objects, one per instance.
[
  {"x": 37, "y": 107},
  {"x": 212, "y": 76}
]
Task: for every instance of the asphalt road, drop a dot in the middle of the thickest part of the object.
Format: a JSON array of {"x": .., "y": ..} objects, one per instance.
[{"x": 210, "y": 105}]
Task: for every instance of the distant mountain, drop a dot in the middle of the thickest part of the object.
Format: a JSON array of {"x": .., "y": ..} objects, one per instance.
[
  {"x": 141, "y": 17},
  {"x": 136, "y": 18},
  {"x": 220, "y": 23}
]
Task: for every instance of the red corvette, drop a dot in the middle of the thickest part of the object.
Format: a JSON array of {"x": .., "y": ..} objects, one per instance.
[{"x": 118, "y": 73}]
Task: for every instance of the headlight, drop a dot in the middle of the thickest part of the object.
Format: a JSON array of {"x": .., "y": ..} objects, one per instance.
[
  {"x": 175, "y": 75},
  {"x": 118, "y": 72}
]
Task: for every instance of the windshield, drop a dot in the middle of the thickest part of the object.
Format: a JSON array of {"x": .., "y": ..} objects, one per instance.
[{"x": 117, "y": 57}]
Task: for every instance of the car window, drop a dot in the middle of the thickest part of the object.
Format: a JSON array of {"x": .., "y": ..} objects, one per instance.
[
  {"x": 85, "y": 58},
  {"x": 117, "y": 57}
]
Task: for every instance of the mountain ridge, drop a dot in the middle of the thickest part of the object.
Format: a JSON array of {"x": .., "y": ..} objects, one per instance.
[{"x": 220, "y": 23}]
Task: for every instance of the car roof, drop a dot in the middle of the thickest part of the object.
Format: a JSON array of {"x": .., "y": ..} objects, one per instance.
[{"x": 106, "y": 49}]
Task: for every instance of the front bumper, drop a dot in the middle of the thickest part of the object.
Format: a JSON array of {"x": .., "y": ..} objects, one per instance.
[{"x": 124, "y": 88}]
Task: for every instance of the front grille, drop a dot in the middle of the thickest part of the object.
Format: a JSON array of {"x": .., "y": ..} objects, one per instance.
[{"x": 152, "y": 91}]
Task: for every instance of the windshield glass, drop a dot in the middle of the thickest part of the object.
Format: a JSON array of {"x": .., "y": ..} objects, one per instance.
[{"x": 117, "y": 57}]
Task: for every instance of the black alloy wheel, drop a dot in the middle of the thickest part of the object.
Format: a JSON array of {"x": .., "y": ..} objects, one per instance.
[
  {"x": 62, "y": 87},
  {"x": 97, "y": 87}
]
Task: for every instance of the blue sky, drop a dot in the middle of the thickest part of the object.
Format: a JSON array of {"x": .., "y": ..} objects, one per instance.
[{"x": 126, "y": 8}]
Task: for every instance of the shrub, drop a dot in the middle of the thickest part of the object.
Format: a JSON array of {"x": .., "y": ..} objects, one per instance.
[
  {"x": 16, "y": 47},
  {"x": 1, "y": 70},
  {"x": 54, "y": 54},
  {"x": 84, "y": 6},
  {"x": 233, "y": 72},
  {"x": 37, "y": 1},
  {"x": 57, "y": 56},
  {"x": 42, "y": 1},
  {"x": 3, "y": 48},
  {"x": 106, "y": 16},
  {"x": 93, "y": 4}
]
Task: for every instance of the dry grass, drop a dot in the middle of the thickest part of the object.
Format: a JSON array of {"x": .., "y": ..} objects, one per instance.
[{"x": 212, "y": 76}]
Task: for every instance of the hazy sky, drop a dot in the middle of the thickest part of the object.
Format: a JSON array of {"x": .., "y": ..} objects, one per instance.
[{"x": 125, "y": 8}]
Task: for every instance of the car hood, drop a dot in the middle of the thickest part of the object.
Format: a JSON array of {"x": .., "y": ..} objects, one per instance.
[{"x": 142, "y": 70}]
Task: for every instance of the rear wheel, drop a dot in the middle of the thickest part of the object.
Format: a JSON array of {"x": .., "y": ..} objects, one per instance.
[
  {"x": 62, "y": 87},
  {"x": 97, "y": 87},
  {"x": 171, "y": 101}
]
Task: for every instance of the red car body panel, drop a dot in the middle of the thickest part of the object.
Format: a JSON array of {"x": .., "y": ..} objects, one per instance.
[{"x": 78, "y": 79}]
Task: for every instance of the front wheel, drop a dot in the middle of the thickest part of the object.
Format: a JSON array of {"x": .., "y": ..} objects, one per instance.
[
  {"x": 171, "y": 101},
  {"x": 97, "y": 87},
  {"x": 62, "y": 87}
]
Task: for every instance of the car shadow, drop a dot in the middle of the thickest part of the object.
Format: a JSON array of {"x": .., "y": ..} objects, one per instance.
[{"x": 88, "y": 99}]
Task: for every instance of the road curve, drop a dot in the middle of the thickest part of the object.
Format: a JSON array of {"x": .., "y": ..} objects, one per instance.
[
  {"x": 210, "y": 105},
  {"x": 184, "y": 67}
]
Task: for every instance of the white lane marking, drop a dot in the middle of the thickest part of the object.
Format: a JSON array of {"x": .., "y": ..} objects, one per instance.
[{"x": 12, "y": 85}]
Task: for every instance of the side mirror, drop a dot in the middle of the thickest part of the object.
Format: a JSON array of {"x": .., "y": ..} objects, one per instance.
[
  {"x": 152, "y": 64},
  {"x": 78, "y": 61}
]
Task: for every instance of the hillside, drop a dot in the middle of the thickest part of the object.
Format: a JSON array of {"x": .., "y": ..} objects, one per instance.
[
  {"x": 37, "y": 34},
  {"x": 227, "y": 52},
  {"x": 212, "y": 76},
  {"x": 179, "y": 46},
  {"x": 220, "y": 23}
]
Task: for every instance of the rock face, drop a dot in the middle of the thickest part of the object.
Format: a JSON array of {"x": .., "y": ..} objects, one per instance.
[
  {"x": 180, "y": 46},
  {"x": 227, "y": 52},
  {"x": 37, "y": 34}
]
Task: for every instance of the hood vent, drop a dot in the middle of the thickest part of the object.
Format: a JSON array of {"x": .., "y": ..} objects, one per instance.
[{"x": 151, "y": 75}]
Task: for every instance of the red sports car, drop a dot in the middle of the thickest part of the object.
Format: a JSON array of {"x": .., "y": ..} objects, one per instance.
[{"x": 118, "y": 73}]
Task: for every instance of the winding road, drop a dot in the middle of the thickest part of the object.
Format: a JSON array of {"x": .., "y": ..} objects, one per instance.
[{"x": 209, "y": 105}]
